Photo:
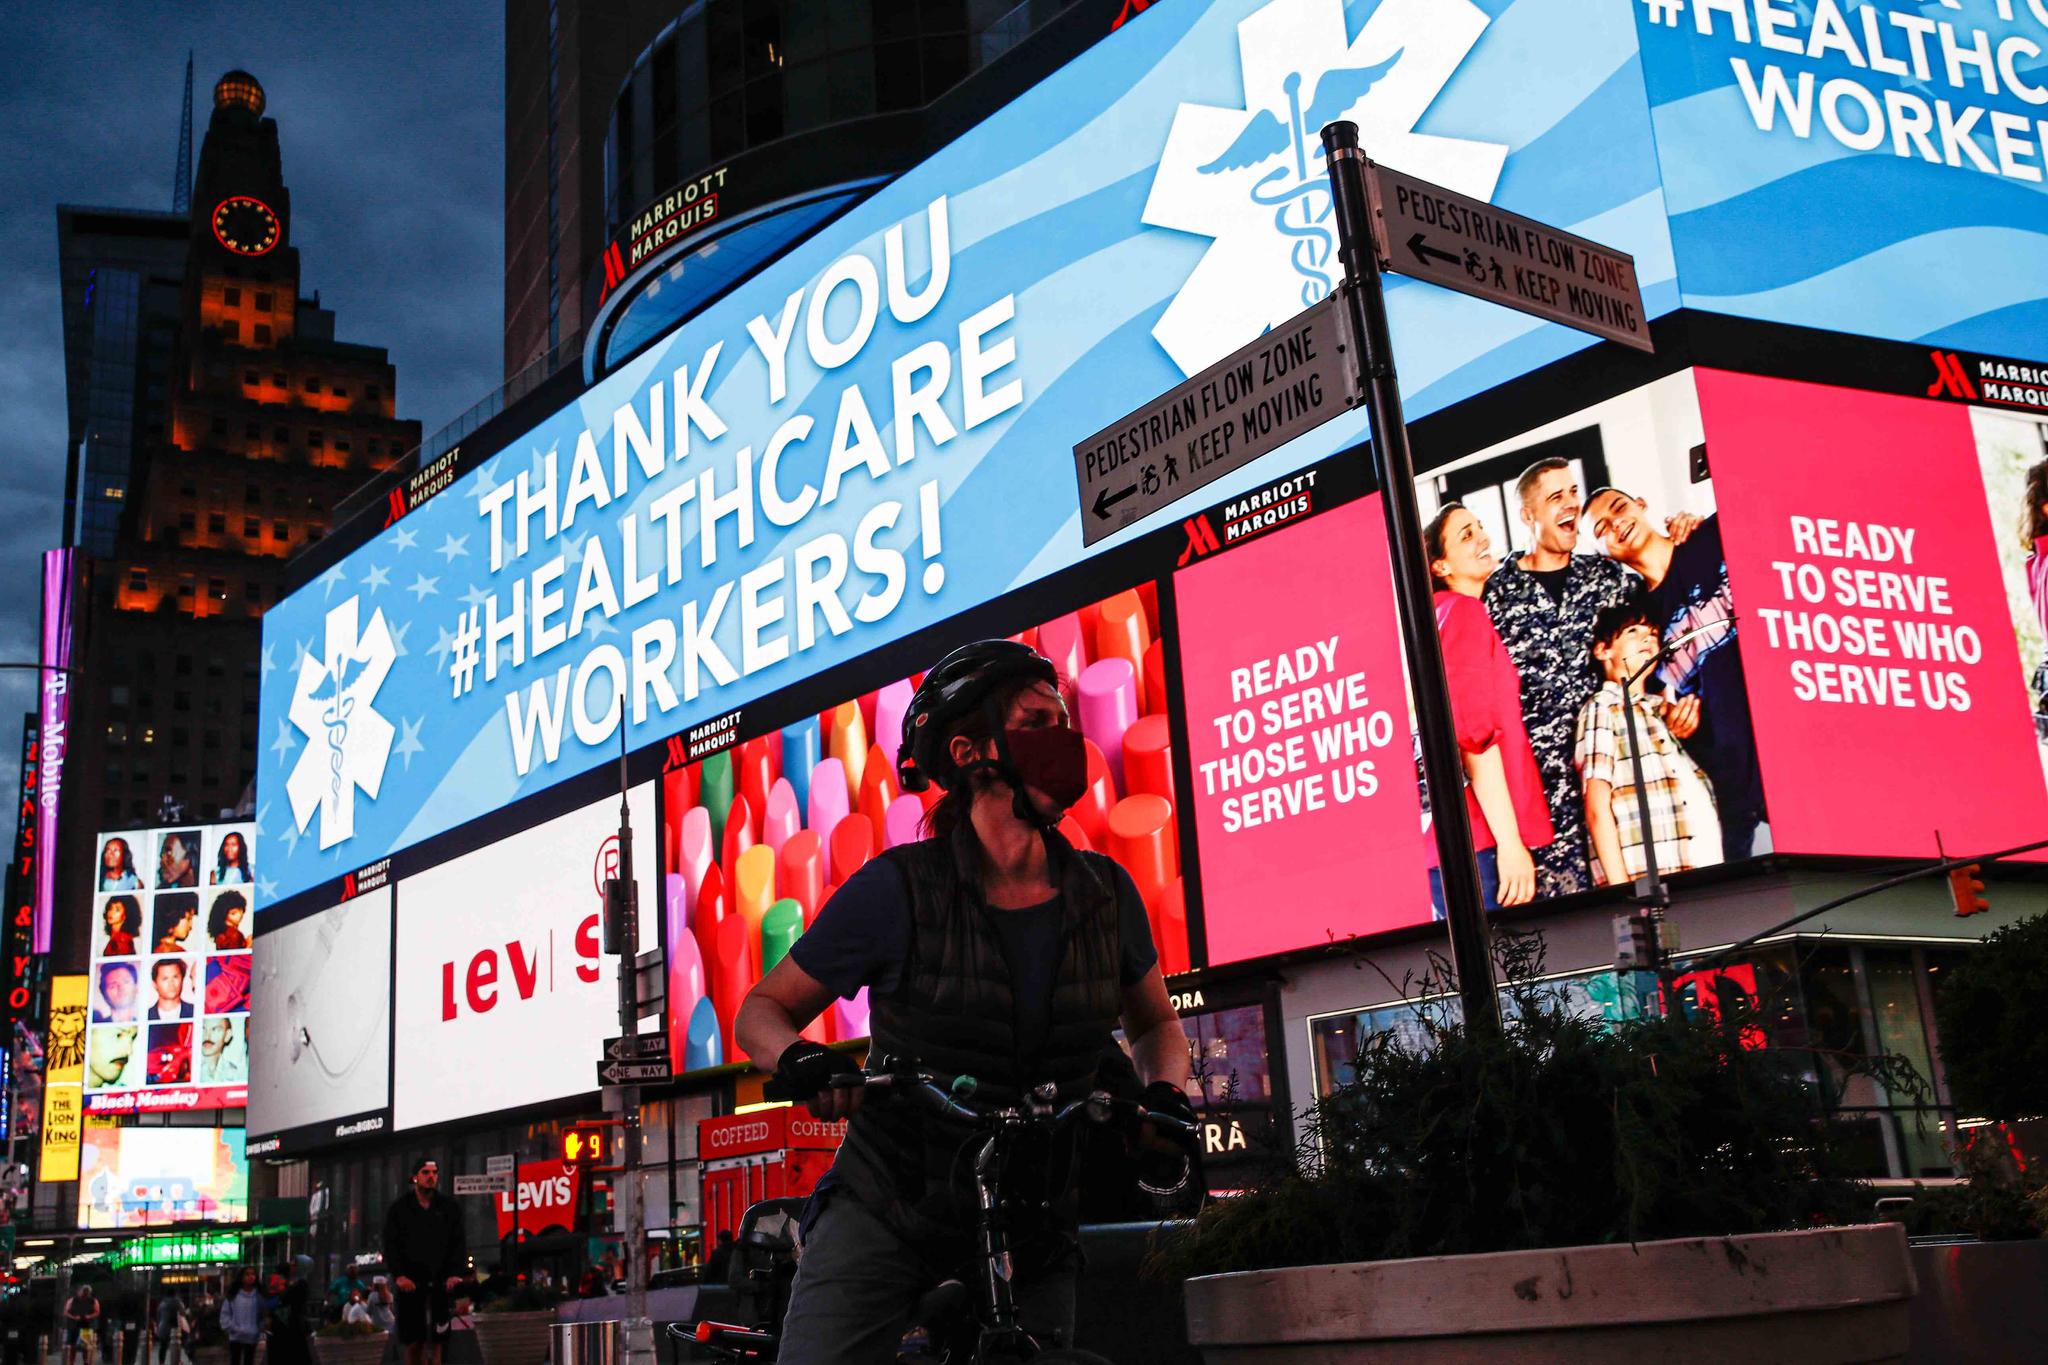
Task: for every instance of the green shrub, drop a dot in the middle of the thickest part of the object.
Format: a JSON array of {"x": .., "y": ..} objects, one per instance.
[
  {"x": 1560, "y": 1131},
  {"x": 1994, "y": 1036}
]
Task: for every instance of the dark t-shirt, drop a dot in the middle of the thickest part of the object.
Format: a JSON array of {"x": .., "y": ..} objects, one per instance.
[
  {"x": 862, "y": 936},
  {"x": 1695, "y": 595},
  {"x": 1552, "y": 581}
]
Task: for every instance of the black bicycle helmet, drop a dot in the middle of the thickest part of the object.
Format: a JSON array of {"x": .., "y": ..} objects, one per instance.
[{"x": 957, "y": 686}]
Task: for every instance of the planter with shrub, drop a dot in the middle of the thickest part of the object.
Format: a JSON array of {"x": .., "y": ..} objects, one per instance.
[{"x": 1569, "y": 1188}]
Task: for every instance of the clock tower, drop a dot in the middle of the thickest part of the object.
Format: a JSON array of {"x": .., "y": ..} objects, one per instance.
[{"x": 268, "y": 423}]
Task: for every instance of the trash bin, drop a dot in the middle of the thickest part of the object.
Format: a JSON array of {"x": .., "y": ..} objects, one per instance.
[{"x": 588, "y": 1343}]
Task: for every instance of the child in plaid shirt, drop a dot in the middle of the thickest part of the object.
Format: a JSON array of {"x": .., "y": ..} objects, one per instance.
[{"x": 1683, "y": 820}]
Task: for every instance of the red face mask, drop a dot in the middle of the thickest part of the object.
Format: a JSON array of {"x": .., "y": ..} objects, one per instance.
[{"x": 1054, "y": 760}]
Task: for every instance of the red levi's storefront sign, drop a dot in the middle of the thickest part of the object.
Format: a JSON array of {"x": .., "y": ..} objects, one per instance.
[
  {"x": 1305, "y": 799},
  {"x": 547, "y": 1193},
  {"x": 1888, "y": 690}
]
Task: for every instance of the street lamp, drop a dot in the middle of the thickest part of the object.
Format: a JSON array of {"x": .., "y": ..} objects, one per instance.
[{"x": 1652, "y": 899}]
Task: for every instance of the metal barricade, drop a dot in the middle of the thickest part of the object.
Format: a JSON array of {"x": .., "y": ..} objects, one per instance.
[{"x": 587, "y": 1343}]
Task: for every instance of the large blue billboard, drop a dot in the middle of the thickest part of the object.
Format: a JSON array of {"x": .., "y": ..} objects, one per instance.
[
  {"x": 872, "y": 434},
  {"x": 1866, "y": 166}
]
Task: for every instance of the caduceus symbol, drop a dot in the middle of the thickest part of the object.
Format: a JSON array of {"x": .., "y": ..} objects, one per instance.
[
  {"x": 334, "y": 691},
  {"x": 1301, "y": 206}
]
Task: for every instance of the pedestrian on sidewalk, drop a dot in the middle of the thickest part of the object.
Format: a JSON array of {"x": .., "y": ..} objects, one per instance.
[
  {"x": 423, "y": 1250},
  {"x": 241, "y": 1318},
  {"x": 291, "y": 1321},
  {"x": 167, "y": 1325}
]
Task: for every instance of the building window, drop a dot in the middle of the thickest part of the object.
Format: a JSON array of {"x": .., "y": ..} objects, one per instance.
[
  {"x": 262, "y": 334},
  {"x": 138, "y": 580},
  {"x": 117, "y": 695},
  {"x": 252, "y": 528},
  {"x": 315, "y": 440},
  {"x": 279, "y": 380},
  {"x": 220, "y": 426},
  {"x": 231, "y": 297},
  {"x": 217, "y": 588},
  {"x": 281, "y": 530},
  {"x": 253, "y": 431},
  {"x": 312, "y": 383},
  {"x": 217, "y": 523},
  {"x": 188, "y": 521},
  {"x": 340, "y": 391},
  {"x": 250, "y": 378},
  {"x": 181, "y": 701},
  {"x": 182, "y": 666},
  {"x": 263, "y": 302},
  {"x": 372, "y": 392}
]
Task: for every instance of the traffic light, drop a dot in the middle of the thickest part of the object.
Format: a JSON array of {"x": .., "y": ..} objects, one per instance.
[
  {"x": 1966, "y": 887},
  {"x": 587, "y": 1144}
]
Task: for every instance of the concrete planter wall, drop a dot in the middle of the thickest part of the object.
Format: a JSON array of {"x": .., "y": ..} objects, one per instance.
[{"x": 1835, "y": 1294}]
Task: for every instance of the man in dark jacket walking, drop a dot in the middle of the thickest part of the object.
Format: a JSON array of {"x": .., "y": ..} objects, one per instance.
[{"x": 423, "y": 1250}]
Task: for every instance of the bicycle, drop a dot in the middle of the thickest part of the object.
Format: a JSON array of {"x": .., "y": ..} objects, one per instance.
[{"x": 961, "y": 1324}]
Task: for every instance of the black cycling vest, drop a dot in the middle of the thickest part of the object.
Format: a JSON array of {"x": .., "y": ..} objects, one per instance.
[{"x": 952, "y": 1013}]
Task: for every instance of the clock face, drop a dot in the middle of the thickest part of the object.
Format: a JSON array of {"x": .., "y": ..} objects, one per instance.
[{"x": 245, "y": 225}]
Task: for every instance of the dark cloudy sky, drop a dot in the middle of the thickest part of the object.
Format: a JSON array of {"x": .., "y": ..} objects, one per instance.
[{"x": 392, "y": 122}]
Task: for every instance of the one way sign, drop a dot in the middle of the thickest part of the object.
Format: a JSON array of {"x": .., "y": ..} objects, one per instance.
[
  {"x": 639, "y": 1047},
  {"x": 633, "y": 1073}
]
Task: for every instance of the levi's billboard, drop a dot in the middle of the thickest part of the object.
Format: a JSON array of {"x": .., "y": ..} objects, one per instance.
[
  {"x": 543, "y": 1196},
  {"x": 869, "y": 436},
  {"x": 503, "y": 995}
]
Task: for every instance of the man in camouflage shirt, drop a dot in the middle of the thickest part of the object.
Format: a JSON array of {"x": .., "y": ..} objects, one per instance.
[{"x": 1543, "y": 604}]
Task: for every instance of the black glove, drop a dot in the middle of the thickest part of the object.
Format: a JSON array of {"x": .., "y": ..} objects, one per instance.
[
  {"x": 805, "y": 1069},
  {"x": 1168, "y": 1099}
]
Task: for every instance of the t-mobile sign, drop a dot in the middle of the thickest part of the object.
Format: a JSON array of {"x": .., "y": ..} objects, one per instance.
[{"x": 1304, "y": 781}]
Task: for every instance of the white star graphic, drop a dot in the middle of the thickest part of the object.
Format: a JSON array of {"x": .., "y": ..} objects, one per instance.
[
  {"x": 290, "y": 837},
  {"x": 444, "y": 641},
  {"x": 285, "y": 742},
  {"x": 404, "y": 538},
  {"x": 452, "y": 546},
  {"x": 262, "y": 814},
  {"x": 265, "y": 888},
  {"x": 377, "y": 577},
  {"x": 409, "y": 740},
  {"x": 331, "y": 580},
  {"x": 300, "y": 649},
  {"x": 597, "y": 625},
  {"x": 486, "y": 480},
  {"x": 476, "y": 596},
  {"x": 398, "y": 635},
  {"x": 269, "y": 659},
  {"x": 423, "y": 587},
  {"x": 572, "y": 550}
]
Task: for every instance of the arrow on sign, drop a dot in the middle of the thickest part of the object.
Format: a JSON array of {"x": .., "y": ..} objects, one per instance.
[
  {"x": 1104, "y": 500},
  {"x": 1419, "y": 245}
]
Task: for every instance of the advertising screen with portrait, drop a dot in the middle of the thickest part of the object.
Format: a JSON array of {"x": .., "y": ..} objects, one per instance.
[
  {"x": 157, "y": 1177},
  {"x": 174, "y": 914}
]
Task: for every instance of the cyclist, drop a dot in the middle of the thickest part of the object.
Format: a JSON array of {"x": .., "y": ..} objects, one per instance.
[{"x": 992, "y": 949}]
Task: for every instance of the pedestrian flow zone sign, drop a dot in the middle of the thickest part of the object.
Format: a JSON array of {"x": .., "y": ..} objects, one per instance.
[
  {"x": 484, "y": 1184},
  {"x": 1286, "y": 383},
  {"x": 1430, "y": 233}
]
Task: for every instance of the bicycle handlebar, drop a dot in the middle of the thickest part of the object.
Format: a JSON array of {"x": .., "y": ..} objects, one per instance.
[{"x": 1096, "y": 1105}]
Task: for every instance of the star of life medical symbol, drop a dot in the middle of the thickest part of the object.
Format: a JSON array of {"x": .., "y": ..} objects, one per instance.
[
  {"x": 348, "y": 743},
  {"x": 1254, "y": 179}
]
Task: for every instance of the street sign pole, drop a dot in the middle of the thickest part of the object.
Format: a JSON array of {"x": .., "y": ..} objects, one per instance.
[
  {"x": 621, "y": 903},
  {"x": 1394, "y": 470}
]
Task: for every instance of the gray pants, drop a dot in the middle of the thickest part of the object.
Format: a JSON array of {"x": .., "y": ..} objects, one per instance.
[{"x": 858, "y": 1283}]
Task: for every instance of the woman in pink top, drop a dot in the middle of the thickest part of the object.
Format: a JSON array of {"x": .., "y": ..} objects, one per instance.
[
  {"x": 2034, "y": 540},
  {"x": 1504, "y": 789}
]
